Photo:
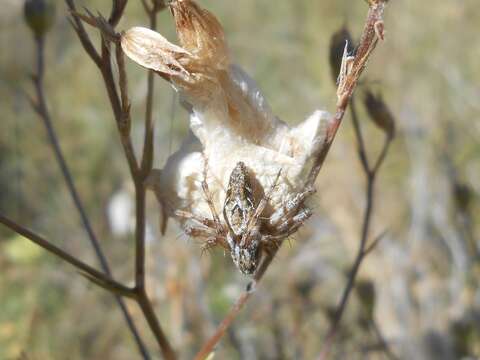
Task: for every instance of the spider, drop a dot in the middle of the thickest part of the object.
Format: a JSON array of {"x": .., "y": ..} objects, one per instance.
[{"x": 243, "y": 231}]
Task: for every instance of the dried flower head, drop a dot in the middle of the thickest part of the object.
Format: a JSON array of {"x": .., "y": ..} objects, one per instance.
[
  {"x": 337, "y": 49},
  {"x": 463, "y": 196},
  {"x": 239, "y": 178},
  {"x": 39, "y": 15},
  {"x": 365, "y": 290},
  {"x": 379, "y": 113}
]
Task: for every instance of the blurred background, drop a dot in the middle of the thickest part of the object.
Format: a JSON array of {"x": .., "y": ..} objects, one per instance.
[{"x": 418, "y": 291}]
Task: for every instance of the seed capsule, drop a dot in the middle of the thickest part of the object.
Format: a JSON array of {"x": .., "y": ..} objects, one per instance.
[{"x": 39, "y": 15}]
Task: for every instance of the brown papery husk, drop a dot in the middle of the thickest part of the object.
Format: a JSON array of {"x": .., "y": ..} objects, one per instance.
[{"x": 200, "y": 33}]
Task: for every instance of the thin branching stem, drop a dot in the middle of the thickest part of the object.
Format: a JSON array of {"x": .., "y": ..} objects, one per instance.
[
  {"x": 120, "y": 110},
  {"x": 140, "y": 195},
  {"x": 364, "y": 249},
  {"x": 149, "y": 313},
  {"x": 368, "y": 43},
  {"x": 91, "y": 272},
  {"x": 116, "y": 13},
  {"x": 147, "y": 157},
  {"x": 82, "y": 35},
  {"x": 119, "y": 101},
  {"x": 383, "y": 343},
  {"x": 361, "y": 149},
  {"x": 353, "y": 272},
  {"x": 139, "y": 178},
  {"x": 383, "y": 154},
  {"x": 209, "y": 346},
  {"x": 40, "y": 106}
]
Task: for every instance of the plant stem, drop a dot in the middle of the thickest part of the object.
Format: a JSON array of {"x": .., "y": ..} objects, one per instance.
[
  {"x": 209, "y": 346},
  {"x": 352, "y": 276},
  {"x": 147, "y": 309},
  {"x": 44, "y": 114},
  {"x": 80, "y": 265},
  {"x": 147, "y": 157},
  {"x": 363, "y": 250}
]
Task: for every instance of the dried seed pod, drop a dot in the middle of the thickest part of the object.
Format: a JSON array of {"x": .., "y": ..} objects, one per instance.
[
  {"x": 200, "y": 33},
  {"x": 463, "y": 196},
  {"x": 466, "y": 337},
  {"x": 151, "y": 50},
  {"x": 337, "y": 47},
  {"x": 39, "y": 15},
  {"x": 366, "y": 294},
  {"x": 379, "y": 113}
]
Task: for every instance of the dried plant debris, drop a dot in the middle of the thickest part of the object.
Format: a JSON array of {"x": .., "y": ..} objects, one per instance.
[{"x": 239, "y": 180}]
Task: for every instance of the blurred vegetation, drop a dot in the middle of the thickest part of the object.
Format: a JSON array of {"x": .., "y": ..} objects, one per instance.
[{"x": 420, "y": 284}]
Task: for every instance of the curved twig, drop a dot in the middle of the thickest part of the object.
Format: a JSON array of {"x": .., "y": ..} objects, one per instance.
[{"x": 41, "y": 108}]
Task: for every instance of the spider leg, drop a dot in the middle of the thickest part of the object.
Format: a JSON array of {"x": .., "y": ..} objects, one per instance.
[
  {"x": 269, "y": 244},
  {"x": 208, "y": 229},
  {"x": 253, "y": 228},
  {"x": 212, "y": 238},
  {"x": 197, "y": 218},
  {"x": 199, "y": 232},
  {"x": 208, "y": 194},
  {"x": 211, "y": 242},
  {"x": 290, "y": 207},
  {"x": 289, "y": 226}
]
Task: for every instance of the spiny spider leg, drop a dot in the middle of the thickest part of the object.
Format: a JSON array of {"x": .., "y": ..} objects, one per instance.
[
  {"x": 208, "y": 197},
  {"x": 252, "y": 230},
  {"x": 199, "y": 219},
  {"x": 272, "y": 242},
  {"x": 291, "y": 224},
  {"x": 208, "y": 232},
  {"x": 213, "y": 241},
  {"x": 290, "y": 207},
  {"x": 287, "y": 228},
  {"x": 199, "y": 232}
]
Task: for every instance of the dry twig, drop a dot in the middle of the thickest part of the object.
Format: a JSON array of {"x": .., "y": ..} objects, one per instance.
[
  {"x": 87, "y": 270},
  {"x": 364, "y": 248},
  {"x": 121, "y": 110},
  {"x": 39, "y": 104},
  {"x": 119, "y": 101}
]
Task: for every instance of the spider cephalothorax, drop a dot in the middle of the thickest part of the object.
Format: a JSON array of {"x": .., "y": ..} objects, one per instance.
[
  {"x": 239, "y": 203},
  {"x": 244, "y": 232},
  {"x": 243, "y": 235}
]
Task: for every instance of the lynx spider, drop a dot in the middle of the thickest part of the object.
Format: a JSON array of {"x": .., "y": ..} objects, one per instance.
[{"x": 243, "y": 231}]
